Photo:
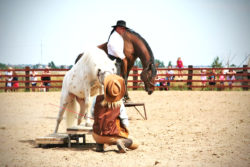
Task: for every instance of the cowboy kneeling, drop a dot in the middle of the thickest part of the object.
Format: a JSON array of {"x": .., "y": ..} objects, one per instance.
[{"x": 110, "y": 117}]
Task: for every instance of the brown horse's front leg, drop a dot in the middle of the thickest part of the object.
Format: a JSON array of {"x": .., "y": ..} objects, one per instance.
[
  {"x": 125, "y": 76},
  {"x": 126, "y": 97}
]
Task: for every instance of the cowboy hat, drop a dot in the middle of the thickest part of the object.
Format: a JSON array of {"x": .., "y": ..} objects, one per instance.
[
  {"x": 120, "y": 23},
  {"x": 114, "y": 88}
]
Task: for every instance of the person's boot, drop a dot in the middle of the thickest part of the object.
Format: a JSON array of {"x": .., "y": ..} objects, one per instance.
[
  {"x": 130, "y": 144},
  {"x": 127, "y": 99},
  {"x": 133, "y": 146},
  {"x": 99, "y": 147},
  {"x": 122, "y": 144}
]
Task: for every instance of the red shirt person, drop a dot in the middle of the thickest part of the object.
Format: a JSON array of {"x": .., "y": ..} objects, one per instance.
[{"x": 180, "y": 66}]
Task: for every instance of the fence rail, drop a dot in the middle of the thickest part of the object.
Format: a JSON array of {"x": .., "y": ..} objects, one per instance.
[{"x": 190, "y": 79}]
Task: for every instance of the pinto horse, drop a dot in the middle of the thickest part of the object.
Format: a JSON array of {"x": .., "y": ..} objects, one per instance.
[
  {"x": 81, "y": 82},
  {"x": 135, "y": 47}
]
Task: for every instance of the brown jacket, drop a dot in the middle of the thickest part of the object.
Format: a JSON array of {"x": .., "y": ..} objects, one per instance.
[{"x": 107, "y": 121}]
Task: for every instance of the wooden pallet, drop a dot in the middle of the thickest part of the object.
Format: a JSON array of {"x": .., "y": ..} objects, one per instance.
[
  {"x": 76, "y": 132},
  {"x": 58, "y": 138}
]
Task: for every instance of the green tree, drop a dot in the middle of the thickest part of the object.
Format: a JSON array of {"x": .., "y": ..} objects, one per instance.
[
  {"x": 138, "y": 63},
  {"x": 3, "y": 66},
  {"x": 70, "y": 66},
  {"x": 36, "y": 66},
  {"x": 160, "y": 63},
  {"x": 217, "y": 63},
  {"x": 157, "y": 62},
  {"x": 52, "y": 65},
  {"x": 232, "y": 65},
  {"x": 169, "y": 63}
]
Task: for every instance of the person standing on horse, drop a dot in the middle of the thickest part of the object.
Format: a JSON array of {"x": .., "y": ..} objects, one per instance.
[
  {"x": 110, "y": 118},
  {"x": 115, "y": 44}
]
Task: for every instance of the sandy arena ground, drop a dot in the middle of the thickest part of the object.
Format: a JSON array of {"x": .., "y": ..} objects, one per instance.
[{"x": 184, "y": 128}]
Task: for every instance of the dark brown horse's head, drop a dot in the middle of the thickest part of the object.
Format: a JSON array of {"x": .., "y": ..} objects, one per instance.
[{"x": 148, "y": 77}]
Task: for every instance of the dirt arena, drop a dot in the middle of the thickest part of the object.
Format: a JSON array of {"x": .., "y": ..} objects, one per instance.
[{"x": 184, "y": 128}]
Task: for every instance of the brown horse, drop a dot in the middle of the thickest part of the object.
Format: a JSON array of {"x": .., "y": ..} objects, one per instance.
[{"x": 135, "y": 46}]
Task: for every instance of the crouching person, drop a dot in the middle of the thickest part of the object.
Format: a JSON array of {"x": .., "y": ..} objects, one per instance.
[{"x": 110, "y": 118}]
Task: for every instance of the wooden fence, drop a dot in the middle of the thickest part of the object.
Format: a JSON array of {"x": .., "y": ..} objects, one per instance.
[{"x": 190, "y": 80}]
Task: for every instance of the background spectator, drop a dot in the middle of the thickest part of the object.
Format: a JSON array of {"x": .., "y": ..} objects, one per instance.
[
  {"x": 203, "y": 78},
  {"x": 162, "y": 84},
  {"x": 170, "y": 75},
  {"x": 33, "y": 78},
  {"x": 180, "y": 66},
  {"x": 230, "y": 76},
  {"x": 222, "y": 79},
  {"x": 211, "y": 78},
  {"x": 15, "y": 82},
  {"x": 8, "y": 79},
  {"x": 45, "y": 79}
]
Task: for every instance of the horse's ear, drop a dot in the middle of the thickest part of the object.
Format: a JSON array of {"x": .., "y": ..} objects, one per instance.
[{"x": 78, "y": 57}]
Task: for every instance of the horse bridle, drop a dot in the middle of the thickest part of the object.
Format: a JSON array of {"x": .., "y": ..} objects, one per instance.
[{"x": 148, "y": 79}]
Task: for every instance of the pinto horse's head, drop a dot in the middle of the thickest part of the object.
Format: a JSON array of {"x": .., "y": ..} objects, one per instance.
[
  {"x": 102, "y": 73},
  {"x": 148, "y": 77}
]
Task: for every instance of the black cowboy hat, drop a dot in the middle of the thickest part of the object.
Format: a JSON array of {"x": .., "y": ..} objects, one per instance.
[{"x": 120, "y": 23}]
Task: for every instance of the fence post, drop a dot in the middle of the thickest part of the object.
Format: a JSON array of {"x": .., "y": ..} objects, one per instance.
[
  {"x": 245, "y": 77},
  {"x": 190, "y": 76},
  {"x": 135, "y": 78},
  {"x": 27, "y": 78}
]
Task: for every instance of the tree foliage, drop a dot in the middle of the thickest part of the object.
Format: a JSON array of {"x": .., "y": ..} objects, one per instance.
[
  {"x": 169, "y": 63},
  {"x": 158, "y": 63},
  {"x": 217, "y": 63},
  {"x": 138, "y": 63},
  {"x": 232, "y": 65},
  {"x": 3, "y": 66},
  {"x": 52, "y": 64}
]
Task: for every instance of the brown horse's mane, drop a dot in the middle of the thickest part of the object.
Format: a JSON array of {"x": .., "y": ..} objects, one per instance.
[
  {"x": 145, "y": 64},
  {"x": 144, "y": 42},
  {"x": 137, "y": 35}
]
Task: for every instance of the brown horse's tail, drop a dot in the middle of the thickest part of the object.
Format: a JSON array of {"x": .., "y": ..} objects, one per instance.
[{"x": 78, "y": 57}]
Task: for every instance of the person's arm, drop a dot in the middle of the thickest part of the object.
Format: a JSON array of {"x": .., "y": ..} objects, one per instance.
[
  {"x": 123, "y": 116},
  {"x": 93, "y": 107}
]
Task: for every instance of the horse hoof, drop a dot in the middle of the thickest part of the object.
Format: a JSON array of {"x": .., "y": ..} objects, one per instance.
[
  {"x": 88, "y": 124},
  {"x": 127, "y": 100}
]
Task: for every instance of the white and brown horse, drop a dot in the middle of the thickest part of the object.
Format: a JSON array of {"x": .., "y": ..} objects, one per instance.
[{"x": 83, "y": 80}]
